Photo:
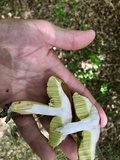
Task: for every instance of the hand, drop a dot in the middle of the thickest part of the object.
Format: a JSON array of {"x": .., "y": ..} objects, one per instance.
[{"x": 27, "y": 60}]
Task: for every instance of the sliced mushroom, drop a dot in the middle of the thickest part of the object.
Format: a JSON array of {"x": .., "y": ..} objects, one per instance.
[
  {"x": 88, "y": 123},
  {"x": 59, "y": 106}
]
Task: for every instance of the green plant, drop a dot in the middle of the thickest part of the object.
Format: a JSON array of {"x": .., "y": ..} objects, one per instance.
[{"x": 59, "y": 10}]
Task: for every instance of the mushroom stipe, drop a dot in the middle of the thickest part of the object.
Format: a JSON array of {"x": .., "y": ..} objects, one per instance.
[{"x": 86, "y": 145}]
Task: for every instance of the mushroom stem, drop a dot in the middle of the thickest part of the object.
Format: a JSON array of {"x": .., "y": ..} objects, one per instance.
[
  {"x": 90, "y": 123},
  {"x": 30, "y": 107}
]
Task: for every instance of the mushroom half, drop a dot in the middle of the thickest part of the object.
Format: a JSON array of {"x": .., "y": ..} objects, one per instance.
[
  {"x": 59, "y": 106},
  {"x": 88, "y": 123}
]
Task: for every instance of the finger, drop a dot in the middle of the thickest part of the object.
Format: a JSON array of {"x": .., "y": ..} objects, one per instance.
[
  {"x": 103, "y": 117},
  {"x": 68, "y": 146},
  {"x": 76, "y": 86},
  {"x": 81, "y": 89},
  {"x": 63, "y": 38},
  {"x": 30, "y": 132}
]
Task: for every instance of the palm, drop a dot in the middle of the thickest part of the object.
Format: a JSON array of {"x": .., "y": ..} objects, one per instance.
[{"x": 27, "y": 61}]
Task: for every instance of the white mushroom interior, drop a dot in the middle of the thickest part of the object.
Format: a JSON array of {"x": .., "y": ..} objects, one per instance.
[{"x": 90, "y": 123}]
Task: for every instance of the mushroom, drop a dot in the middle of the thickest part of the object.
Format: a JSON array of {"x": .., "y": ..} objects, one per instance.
[
  {"x": 59, "y": 106},
  {"x": 88, "y": 123}
]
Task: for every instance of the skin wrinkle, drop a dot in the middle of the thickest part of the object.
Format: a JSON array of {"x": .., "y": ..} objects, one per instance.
[
  {"x": 40, "y": 33},
  {"x": 45, "y": 40},
  {"x": 25, "y": 76},
  {"x": 21, "y": 35},
  {"x": 27, "y": 61},
  {"x": 24, "y": 70},
  {"x": 69, "y": 81},
  {"x": 63, "y": 34},
  {"x": 31, "y": 53},
  {"x": 24, "y": 30},
  {"x": 73, "y": 41},
  {"x": 9, "y": 75},
  {"x": 5, "y": 55},
  {"x": 58, "y": 67},
  {"x": 28, "y": 82},
  {"x": 30, "y": 87},
  {"x": 28, "y": 90},
  {"x": 5, "y": 65},
  {"x": 45, "y": 30},
  {"x": 50, "y": 41}
]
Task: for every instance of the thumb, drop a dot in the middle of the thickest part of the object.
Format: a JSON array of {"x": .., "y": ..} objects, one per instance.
[{"x": 63, "y": 38}]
